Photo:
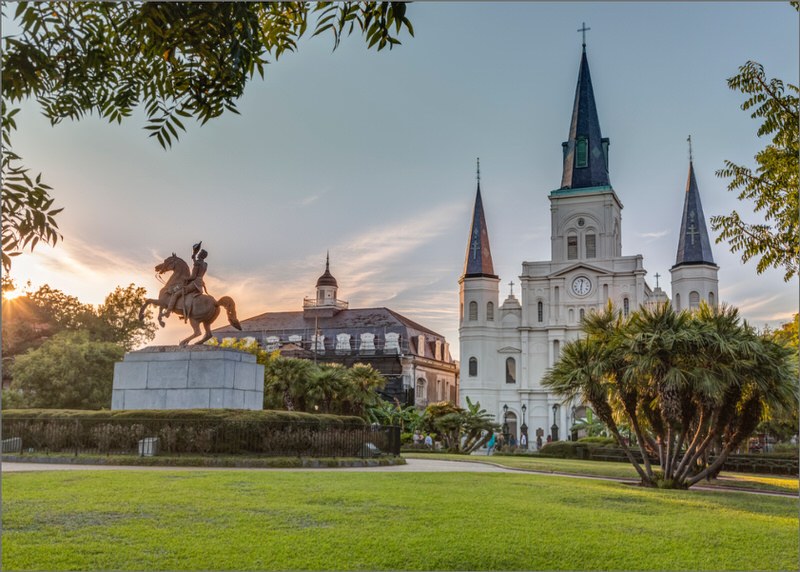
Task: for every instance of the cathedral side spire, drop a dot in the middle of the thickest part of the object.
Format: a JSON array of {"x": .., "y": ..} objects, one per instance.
[
  {"x": 586, "y": 150},
  {"x": 478, "y": 260},
  {"x": 694, "y": 246}
]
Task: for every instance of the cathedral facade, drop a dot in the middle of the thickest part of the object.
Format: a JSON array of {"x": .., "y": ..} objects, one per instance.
[{"x": 507, "y": 348}]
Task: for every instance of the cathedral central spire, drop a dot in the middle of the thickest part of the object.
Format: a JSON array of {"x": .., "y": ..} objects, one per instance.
[
  {"x": 478, "y": 260},
  {"x": 586, "y": 150}
]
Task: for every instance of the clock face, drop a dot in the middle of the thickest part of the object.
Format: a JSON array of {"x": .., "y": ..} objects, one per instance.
[{"x": 581, "y": 286}]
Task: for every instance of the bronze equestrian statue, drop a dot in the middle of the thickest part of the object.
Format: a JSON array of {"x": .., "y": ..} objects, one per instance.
[{"x": 188, "y": 288}]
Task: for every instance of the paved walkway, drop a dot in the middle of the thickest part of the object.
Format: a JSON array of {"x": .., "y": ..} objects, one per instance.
[{"x": 412, "y": 466}]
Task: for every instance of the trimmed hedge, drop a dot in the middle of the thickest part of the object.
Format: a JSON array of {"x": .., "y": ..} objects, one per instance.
[
  {"x": 203, "y": 432},
  {"x": 185, "y": 414},
  {"x": 772, "y": 463}
]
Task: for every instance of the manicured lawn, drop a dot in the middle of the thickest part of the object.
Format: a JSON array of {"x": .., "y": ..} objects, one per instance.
[
  {"x": 773, "y": 483},
  {"x": 245, "y": 520}
]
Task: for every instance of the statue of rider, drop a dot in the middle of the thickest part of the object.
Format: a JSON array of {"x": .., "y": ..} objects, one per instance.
[{"x": 194, "y": 284}]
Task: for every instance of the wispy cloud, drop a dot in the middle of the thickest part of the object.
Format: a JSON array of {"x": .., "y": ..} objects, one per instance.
[
  {"x": 311, "y": 199},
  {"x": 653, "y": 235}
]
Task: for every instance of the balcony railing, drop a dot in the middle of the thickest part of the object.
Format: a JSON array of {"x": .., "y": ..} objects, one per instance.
[{"x": 310, "y": 303}]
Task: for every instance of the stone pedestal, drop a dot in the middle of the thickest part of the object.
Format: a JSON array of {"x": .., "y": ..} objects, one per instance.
[{"x": 190, "y": 377}]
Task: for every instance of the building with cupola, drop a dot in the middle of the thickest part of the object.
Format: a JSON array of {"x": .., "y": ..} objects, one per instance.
[
  {"x": 506, "y": 348},
  {"x": 414, "y": 359}
]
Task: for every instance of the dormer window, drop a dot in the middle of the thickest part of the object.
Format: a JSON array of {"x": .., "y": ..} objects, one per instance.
[{"x": 582, "y": 153}]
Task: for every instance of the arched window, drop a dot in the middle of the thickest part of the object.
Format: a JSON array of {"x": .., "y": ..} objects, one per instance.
[
  {"x": 490, "y": 311},
  {"x": 582, "y": 153},
  {"x": 591, "y": 246},
  {"x": 694, "y": 300},
  {"x": 540, "y": 311},
  {"x": 581, "y": 314},
  {"x": 511, "y": 370},
  {"x": 626, "y": 307},
  {"x": 420, "y": 394},
  {"x": 556, "y": 350},
  {"x": 677, "y": 302},
  {"x": 473, "y": 311},
  {"x": 710, "y": 298},
  {"x": 571, "y": 315},
  {"x": 473, "y": 367},
  {"x": 572, "y": 247},
  {"x": 605, "y": 292}
]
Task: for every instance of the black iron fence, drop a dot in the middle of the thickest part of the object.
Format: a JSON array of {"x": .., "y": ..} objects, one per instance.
[{"x": 148, "y": 437}]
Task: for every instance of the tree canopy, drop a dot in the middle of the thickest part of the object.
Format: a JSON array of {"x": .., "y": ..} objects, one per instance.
[
  {"x": 30, "y": 319},
  {"x": 688, "y": 384},
  {"x": 174, "y": 60},
  {"x": 773, "y": 186},
  {"x": 69, "y": 371}
]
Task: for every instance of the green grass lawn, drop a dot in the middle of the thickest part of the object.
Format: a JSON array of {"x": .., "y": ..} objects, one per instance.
[
  {"x": 328, "y": 520},
  {"x": 771, "y": 483}
]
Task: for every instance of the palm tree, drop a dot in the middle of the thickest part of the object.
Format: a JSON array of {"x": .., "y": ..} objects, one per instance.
[
  {"x": 661, "y": 348},
  {"x": 328, "y": 388},
  {"x": 478, "y": 426},
  {"x": 364, "y": 383},
  {"x": 685, "y": 382},
  {"x": 585, "y": 371},
  {"x": 285, "y": 382}
]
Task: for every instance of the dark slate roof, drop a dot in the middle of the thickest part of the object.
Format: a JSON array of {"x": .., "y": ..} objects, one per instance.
[
  {"x": 327, "y": 278},
  {"x": 585, "y": 124},
  {"x": 378, "y": 321},
  {"x": 694, "y": 247},
  {"x": 478, "y": 260}
]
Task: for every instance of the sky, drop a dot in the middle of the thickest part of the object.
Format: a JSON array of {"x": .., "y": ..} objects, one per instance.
[{"x": 371, "y": 156}]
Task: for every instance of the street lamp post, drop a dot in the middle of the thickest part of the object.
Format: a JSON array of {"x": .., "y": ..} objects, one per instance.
[
  {"x": 505, "y": 424},
  {"x": 524, "y": 428},
  {"x": 554, "y": 428},
  {"x": 574, "y": 432}
]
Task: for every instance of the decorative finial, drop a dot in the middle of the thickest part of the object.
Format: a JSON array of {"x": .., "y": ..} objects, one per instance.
[
  {"x": 657, "y": 276},
  {"x": 479, "y": 171},
  {"x": 583, "y": 29},
  {"x": 327, "y": 260},
  {"x": 689, "y": 139}
]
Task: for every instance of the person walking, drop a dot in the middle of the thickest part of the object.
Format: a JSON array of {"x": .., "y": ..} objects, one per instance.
[{"x": 490, "y": 445}]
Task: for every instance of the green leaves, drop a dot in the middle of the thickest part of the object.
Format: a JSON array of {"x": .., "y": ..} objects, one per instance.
[
  {"x": 179, "y": 60},
  {"x": 773, "y": 187},
  {"x": 28, "y": 211}
]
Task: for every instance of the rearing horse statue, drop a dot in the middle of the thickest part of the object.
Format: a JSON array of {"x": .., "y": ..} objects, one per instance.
[{"x": 199, "y": 309}]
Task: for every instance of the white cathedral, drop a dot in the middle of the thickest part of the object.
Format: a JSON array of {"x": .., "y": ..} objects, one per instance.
[{"x": 506, "y": 349}]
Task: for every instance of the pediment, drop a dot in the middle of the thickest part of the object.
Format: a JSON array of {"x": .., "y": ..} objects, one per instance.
[
  {"x": 581, "y": 266},
  {"x": 509, "y": 350}
]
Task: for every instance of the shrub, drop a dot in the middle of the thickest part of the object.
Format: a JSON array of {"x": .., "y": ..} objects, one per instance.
[
  {"x": 561, "y": 449},
  {"x": 600, "y": 440}
]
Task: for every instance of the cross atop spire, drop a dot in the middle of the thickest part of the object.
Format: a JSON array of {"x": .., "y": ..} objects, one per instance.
[
  {"x": 479, "y": 171},
  {"x": 583, "y": 29},
  {"x": 689, "y": 139},
  {"x": 657, "y": 276}
]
